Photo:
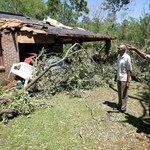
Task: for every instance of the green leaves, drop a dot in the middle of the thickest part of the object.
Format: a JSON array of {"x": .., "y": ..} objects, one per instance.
[
  {"x": 34, "y": 8},
  {"x": 116, "y": 5},
  {"x": 23, "y": 103},
  {"x": 67, "y": 11},
  {"x": 54, "y": 9}
]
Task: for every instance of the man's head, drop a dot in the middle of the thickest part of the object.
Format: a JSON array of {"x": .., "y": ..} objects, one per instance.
[{"x": 121, "y": 49}]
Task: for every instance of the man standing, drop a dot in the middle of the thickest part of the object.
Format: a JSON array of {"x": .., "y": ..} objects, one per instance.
[{"x": 124, "y": 69}]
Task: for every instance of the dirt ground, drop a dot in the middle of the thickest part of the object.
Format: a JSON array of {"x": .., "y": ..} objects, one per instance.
[{"x": 132, "y": 126}]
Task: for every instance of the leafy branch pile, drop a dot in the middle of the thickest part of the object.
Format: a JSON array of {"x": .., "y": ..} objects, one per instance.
[
  {"x": 14, "y": 103},
  {"x": 80, "y": 72}
]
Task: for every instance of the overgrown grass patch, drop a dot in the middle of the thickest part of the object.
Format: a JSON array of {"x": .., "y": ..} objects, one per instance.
[{"x": 79, "y": 123}]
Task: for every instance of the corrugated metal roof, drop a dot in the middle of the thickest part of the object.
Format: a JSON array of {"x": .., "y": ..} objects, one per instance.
[{"x": 22, "y": 23}]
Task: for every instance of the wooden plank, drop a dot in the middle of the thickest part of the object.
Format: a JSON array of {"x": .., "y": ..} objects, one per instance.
[{"x": 38, "y": 38}]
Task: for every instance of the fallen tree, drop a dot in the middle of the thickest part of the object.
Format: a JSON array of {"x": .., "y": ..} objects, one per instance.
[
  {"x": 54, "y": 64},
  {"x": 81, "y": 73}
]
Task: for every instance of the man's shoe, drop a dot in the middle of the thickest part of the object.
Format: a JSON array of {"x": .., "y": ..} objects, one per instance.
[
  {"x": 122, "y": 110},
  {"x": 118, "y": 108}
]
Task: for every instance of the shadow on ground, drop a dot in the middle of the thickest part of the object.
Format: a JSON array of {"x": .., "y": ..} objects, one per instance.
[
  {"x": 141, "y": 124},
  {"x": 111, "y": 104}
]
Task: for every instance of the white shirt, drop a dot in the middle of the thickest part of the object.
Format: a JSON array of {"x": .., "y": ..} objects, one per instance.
[
  {"x": 123, "y": 65},
  {"x": 148, "y": 56}
]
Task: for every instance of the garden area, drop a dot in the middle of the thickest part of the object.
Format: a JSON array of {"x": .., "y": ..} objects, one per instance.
[
  {"x": 70, "y": 104},
  {"x": 74, "y": 108},
  {"x": 90, "y": 122}
]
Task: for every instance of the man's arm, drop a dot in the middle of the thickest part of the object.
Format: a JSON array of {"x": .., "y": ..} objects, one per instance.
[
  {"x": 140, "y": 53},
  {"x": 128, "y": 78},
  {"x": 128, "y": 75}
]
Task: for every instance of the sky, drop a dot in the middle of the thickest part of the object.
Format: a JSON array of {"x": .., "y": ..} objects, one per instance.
[{"x": 136, "y": 9}]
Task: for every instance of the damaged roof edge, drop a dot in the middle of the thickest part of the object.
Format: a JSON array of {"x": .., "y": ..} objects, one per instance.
[
  {"x": 15, "y": 22},
  {"x": 9, "y": 13},
  {"x": 99, "y": 37}
]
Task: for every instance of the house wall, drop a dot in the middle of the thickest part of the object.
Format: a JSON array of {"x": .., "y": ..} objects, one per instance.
[
  {"x": 28, "y": 37},
  {"x": 10, "y": 54}
]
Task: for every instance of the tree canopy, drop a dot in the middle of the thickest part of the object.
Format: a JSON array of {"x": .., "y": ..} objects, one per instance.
[
  {"x": 116, "y": 5},
  {"x": 34, "y": 8},
  {"x": 66, "y": 11},
  {"x": 75, "y": 13}
]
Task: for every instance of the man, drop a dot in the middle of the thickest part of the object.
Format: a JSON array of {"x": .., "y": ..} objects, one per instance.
[
  {"x": 145, "y": 56},
  {"x": 124, "y": 69}
]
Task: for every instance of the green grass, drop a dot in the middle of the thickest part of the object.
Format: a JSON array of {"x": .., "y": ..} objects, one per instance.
[{"x": 80, "y": 124}]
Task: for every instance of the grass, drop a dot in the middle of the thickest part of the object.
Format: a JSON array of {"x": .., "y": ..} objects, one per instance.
[{"x": 87, "y": 123}]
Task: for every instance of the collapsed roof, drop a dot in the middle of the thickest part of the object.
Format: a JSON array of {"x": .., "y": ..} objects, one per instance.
[{"x": 21, "y": 23}]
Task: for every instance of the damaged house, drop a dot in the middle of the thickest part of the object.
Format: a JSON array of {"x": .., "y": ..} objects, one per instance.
[{"x": 21, "y": 36}]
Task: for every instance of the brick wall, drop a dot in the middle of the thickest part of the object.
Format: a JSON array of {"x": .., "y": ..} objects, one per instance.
[{"x": 10, "y": 54}]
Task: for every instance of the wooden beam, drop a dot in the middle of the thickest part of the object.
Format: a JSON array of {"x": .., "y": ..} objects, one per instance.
[{"x": 27, "y": 37}]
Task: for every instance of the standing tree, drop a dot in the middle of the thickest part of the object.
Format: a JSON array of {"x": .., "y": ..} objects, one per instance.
[
  {"x": 34, "y": 8},
  {"x": 54, "y": 8},
  {"x": 67, "y": 11},
  {"x": 116, "y": 5}
]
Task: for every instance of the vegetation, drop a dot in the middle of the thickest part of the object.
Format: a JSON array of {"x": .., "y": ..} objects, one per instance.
[
  {"x": 78, "y": 118},
  {"x": 84, "y": 71},
  {"x": 88, "y": 122},
  {"x": 75, "y": 13},
  {"x": 80, "y": 71}
]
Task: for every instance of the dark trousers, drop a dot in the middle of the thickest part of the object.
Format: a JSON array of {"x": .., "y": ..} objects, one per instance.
[{"x": 122, "y": 94}]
